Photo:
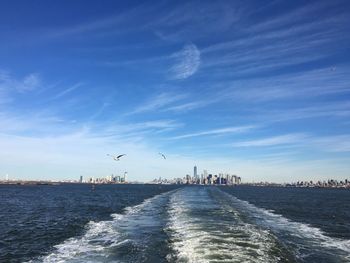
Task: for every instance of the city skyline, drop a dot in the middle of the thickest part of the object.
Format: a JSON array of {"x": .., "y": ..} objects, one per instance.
[{"x": 258, "y": 89}]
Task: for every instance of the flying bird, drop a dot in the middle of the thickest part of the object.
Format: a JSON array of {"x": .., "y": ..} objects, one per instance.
[
  {"x": 162, "y": 155},
  {"x": 116, "y": 158}
]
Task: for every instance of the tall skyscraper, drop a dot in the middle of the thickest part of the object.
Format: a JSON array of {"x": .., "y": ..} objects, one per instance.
[
  {"x": 125, "y": 176},
  {"x": 195, "y": 172}
]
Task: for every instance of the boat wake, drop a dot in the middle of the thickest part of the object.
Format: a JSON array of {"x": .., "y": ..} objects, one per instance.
[
  {"x": 199, "y": 224},
  {"x": 308, "y": 243},
  {"x": 134, "y": 236},
  {"x": 202, "y": 229}
]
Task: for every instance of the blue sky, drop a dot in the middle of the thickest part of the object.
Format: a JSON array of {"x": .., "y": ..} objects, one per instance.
[{"x": 255, "y": 88}]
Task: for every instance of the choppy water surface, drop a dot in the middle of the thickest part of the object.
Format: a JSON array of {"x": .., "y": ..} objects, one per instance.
[{"x": 139, "y": 223}]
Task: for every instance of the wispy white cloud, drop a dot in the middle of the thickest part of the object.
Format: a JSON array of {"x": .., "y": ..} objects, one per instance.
[
  {"x": 176, "y": 24},
  {"x": 133, "y": 132},
  {"x": 190, "y": 105},
  {"x": 185, "y": 106},
  {"x": 174, "y": 102},
  {"x": 187, "y": 62},
  {"x": 304, "y": 85},
  {"x": 315, "y": 32},
  {"x": 265, "y": 58},
  {"x": 272, "y": 141},
  {"x": 331, "y": 110},
  {"x": 68, "y": 90},
  {"x": 290, "y": 39},
  {"x": 294, "y": 16},
  {"x": 30, "y": 82},
  {"x": 105, "y": 25},
  {"x": 335, "y": 143},
  {"x": 159, "y": 125},
  {"x": 9, "y": 83},
  {"x": 33, "y": 124},
  {"x": 330, "y": 144},
  {"x": 221, "y": 131},
  {"x": 279, "y": 157},
  {"x": 159, "y": 102},
  {"x": 180, "y": 22}
]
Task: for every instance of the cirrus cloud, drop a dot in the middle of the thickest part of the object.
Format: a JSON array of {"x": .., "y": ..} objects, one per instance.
[{"x": 187, "y": 62}]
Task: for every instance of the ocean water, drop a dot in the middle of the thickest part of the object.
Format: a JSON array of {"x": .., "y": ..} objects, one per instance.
[{"x": 152, "y": 223}]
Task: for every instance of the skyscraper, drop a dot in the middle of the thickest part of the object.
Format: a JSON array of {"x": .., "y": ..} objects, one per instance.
[
  {"x": 125, "y": 176},
  {"x": 206, "y": 179},
  {"x": 195, "y": 172}
]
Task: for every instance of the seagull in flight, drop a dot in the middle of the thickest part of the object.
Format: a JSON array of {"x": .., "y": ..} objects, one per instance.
[
  {"x": 116, "y": 158},
  {"x": 162, "y": 155}
]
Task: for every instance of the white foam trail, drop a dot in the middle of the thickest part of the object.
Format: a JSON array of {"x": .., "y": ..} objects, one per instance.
[
  {"x": 305, "y": 237},
  {"x": 105, "y": 241},
  {"x": 204, "y": 224},
  {"x": 201, "y": 230}
]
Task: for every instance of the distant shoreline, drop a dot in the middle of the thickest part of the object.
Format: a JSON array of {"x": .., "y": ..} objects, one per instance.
[{"x": 40, "y": 183}]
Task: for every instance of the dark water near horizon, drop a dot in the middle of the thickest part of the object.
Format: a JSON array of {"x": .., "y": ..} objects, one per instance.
[{"x": 167, "y": 223}]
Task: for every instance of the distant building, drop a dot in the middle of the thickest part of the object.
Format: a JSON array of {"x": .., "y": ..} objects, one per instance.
[
  {"x": 188, "y": 178},
  {"x": 81, "y": 179},
  {"x": 204, "y": 179},
  {"x": 125, "y": 176}
]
